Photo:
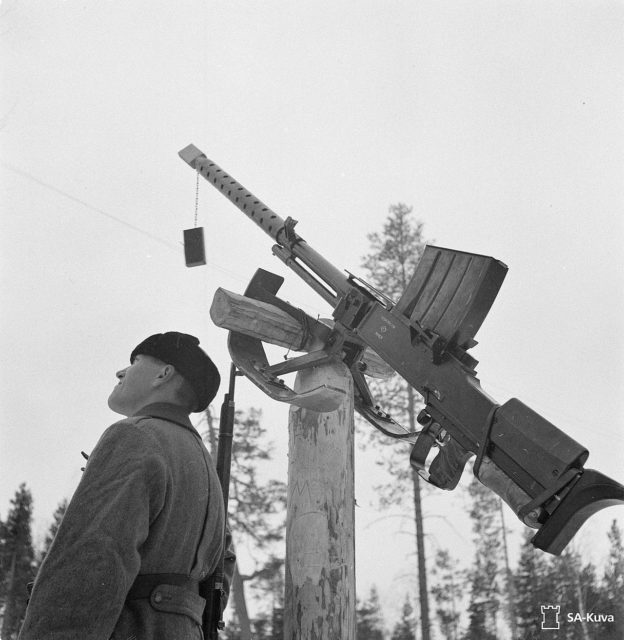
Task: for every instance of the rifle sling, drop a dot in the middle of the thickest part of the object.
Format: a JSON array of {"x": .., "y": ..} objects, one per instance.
[{"x": 485, "y": 440}]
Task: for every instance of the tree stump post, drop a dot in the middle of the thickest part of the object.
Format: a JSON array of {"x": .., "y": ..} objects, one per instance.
[
  {"x": 320, "y": 529},
  {"x": 320, "y": 545}
]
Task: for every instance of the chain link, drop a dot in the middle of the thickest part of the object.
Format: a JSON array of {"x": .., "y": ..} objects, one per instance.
[{"x": 196, "y": 197}]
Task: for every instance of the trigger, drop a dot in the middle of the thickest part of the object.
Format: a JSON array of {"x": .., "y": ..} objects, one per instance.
[{"x": 420, "y": 452}]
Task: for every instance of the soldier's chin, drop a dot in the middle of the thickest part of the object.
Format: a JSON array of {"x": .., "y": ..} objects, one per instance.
[{"x": 114, "y": 403}]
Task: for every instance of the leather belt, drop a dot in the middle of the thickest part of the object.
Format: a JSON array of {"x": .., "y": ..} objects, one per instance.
[{"x": 145, "y": 583}]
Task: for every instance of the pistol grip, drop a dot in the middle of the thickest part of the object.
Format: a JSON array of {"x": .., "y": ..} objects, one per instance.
[{"x": 448, "y": 465}]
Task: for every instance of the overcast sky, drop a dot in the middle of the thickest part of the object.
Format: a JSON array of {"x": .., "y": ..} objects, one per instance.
[{"x": 501, "y": 123}]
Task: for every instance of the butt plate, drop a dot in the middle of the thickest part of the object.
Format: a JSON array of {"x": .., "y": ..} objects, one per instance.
[{"x": 591, "y": 492}]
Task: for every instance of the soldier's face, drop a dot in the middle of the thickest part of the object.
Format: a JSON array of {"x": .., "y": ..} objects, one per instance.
[{"x": 135, "y": 386}]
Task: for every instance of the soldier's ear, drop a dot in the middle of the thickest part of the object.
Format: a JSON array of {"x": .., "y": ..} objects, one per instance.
[{"x": 165, "y": 373}]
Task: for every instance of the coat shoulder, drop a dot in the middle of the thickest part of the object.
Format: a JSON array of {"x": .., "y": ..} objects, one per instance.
[{"x": 129, "y": 439}]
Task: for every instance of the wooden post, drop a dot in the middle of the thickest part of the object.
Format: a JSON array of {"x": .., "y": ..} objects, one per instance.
[{"x": 320, "y": 545}]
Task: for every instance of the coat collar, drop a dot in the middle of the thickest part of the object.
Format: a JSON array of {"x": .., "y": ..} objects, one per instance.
[{"x": 167, "y": 411}]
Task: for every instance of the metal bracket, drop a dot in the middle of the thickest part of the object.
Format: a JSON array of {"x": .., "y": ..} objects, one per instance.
[
  {"x": 366, "y": 407},
  {"x": 338, "y": 345},
  {"x": 250, "y": 358}
]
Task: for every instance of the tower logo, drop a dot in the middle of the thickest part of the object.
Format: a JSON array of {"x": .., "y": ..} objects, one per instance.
[{"x": 550, "y": 616}]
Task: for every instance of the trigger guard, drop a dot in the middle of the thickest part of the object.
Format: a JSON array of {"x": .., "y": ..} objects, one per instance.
[{"x": 420, "y": 452}]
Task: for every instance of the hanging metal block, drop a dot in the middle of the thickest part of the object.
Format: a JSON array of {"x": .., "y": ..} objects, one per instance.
[{"x": 194, "y": 251}]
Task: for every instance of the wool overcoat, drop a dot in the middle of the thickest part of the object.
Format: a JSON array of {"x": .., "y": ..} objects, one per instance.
[{"x": 149, "y": 502}]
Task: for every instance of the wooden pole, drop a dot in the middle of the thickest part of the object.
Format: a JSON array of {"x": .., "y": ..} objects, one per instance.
[{"x": 320, "y": 546}]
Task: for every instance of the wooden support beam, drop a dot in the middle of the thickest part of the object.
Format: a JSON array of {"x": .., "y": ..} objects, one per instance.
[
  {"x": 257, "y": 319},
  {"x": 320, "y": 547},
  {"x": 271, "y": 324}
]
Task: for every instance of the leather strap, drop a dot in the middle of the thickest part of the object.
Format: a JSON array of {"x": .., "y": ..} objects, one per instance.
[{"x": 485, "y": 440}]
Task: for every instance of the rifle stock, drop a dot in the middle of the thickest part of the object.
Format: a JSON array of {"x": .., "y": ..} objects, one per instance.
[{"x": 425, "y": 337}]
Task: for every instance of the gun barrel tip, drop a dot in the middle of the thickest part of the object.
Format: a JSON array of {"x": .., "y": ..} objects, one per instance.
[{"x": 190, "y": 153}]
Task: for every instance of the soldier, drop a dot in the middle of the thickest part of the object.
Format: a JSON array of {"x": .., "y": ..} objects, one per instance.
[{"x": 146, "y": 522}]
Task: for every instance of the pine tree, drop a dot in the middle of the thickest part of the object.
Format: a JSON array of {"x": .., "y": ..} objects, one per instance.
[
  {"x": 484, "y": 575},
  {"x": 404, "y": 628},
  {"x": 256, "y": 510},
  {"x": 389, "y": 266},
  {"x": 276, "y": 588},
  {"x": 269, "y": 581},
  {"x": 256, "y": 507},
  {"x": 532, "y": 588},
  {"x": 232, "y": 629},
  {"x": 262, "y": 627},
  {"x": 269, "y": 625},
  {"x": 16, "y": 562},
  {"x": 277, "y": 619},
  {"x": 510, "y": 587},
  {"x": 56, "y": 523},
  {"x": 369, "y": 620},
  {"x": 447, "y": 591},
  {"x": 573, "y": 587},
  {"x": 588, "y": 595},
  {"x": 612, "y": 591}
]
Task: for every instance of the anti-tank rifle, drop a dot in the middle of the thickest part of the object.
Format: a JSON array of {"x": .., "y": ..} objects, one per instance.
[{"x": 425, "y": 337}]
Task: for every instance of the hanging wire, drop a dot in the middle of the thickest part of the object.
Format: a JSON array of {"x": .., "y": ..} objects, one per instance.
[
  {"x": 196, "y": 197},
  {"x": 86, "y": 205},
  {"x": 174, "y": 247}
]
